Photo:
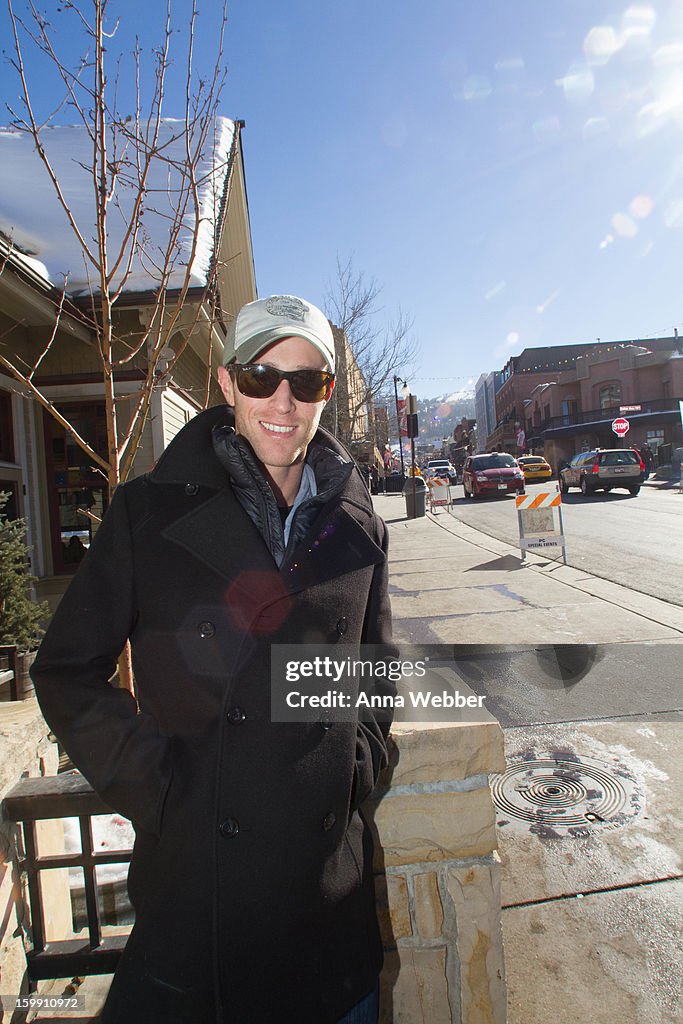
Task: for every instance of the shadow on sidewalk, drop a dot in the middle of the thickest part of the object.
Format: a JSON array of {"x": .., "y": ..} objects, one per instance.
[{"x": 506, "y": 563}]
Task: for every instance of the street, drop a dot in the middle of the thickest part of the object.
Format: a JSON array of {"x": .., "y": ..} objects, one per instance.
[{"x": 637, "y": 542}]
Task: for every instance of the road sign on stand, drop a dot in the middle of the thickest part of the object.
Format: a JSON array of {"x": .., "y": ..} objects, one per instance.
[
  {"x": 538, "y": 530},
  {"x": 439, "y": 493},
  {"x": 621, "y": 426}
]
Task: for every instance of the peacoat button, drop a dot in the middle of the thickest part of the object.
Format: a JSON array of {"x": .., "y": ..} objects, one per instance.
[
  {"x": 206, "y": 630},
  {"x": 325, "y": 723},
  {"x": 191, "y": 490},
  {"x": 229, "y": 828},
  {"x": 329, "y": 821},
  {"x": 236, "y": 715},
  {"x": 342, "y": 625}
]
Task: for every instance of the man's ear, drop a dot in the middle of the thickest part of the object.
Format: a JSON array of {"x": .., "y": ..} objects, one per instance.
[
  {"x": 329, "y": 391},
  {"x": 227, "y": 385}
]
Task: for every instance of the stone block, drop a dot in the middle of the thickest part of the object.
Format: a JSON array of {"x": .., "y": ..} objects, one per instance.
[
  {"x": 393, "y": 910},
  {"x": 434, "y": 752},
  {"x": 12, "y": 955},
  {"x": 435, "y": 826},
  {"x": 55, "y": 882},
  {"x": 414, "y": 988},
  {"x": 475, "y": 892},
  {"x": 428, "y": 908},
  {"x": 24, "y": 743},
  {"x": 26, "y": 750}
]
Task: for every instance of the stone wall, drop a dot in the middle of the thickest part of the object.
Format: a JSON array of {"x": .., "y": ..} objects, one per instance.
[
  {"x": 26, "y": 751},
  {"x": 438, "y": 876}
]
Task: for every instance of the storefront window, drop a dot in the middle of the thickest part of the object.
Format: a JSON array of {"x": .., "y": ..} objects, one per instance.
[
  {"x": 570, "y": 409},
  {"x": 76, "y": 485},
  {"x": 610, "y": 395},
  {"x": 6, "y": 432}
]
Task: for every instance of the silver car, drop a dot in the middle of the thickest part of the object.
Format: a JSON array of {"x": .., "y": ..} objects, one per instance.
[{"x": 603, "y": 469}]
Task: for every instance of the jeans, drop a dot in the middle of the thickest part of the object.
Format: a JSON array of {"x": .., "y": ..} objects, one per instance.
[{"x": 364, "y": 1012}]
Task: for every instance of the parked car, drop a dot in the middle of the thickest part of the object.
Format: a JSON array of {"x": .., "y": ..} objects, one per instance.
[
  {"x": 442, "y": 467},
  {"x": 603, "y": 469},
  {"x": 535, "y": 467},
  {"x": 496, "y": 473}
]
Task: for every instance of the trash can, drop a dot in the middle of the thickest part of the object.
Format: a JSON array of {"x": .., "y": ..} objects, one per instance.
[
  {"x": 393, "y": 484},
  {"x": 415, "y": 491},
  {"x": 677, "y": 464}
]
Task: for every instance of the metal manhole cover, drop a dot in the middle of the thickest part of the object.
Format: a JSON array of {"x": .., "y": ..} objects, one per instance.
[{"x": 557, "y": 798}]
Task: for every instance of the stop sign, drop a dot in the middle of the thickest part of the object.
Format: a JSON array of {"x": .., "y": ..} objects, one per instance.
[{"x": 621, "y": 426}]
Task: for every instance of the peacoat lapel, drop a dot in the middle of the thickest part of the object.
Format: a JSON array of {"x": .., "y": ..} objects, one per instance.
[{"x": 222, "y": 536}]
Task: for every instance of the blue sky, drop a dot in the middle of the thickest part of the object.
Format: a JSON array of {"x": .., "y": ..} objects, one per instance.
[{"x": 510, "y": 170}]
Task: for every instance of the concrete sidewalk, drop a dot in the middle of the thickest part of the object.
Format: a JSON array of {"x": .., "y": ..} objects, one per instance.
[
  {"x": 452, "y": 584},
  {"x": 591, "y": 923}
]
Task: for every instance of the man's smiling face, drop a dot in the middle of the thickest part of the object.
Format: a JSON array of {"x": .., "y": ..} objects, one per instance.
[{"x": 279, "y": 428}]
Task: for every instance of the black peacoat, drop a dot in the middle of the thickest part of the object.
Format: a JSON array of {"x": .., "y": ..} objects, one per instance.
[{"x": 251, "y": 875}]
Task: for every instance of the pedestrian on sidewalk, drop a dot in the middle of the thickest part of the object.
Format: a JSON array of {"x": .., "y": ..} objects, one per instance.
[
  {"x": 251, "y": 876},
  {"x": 646, "y": 455}
]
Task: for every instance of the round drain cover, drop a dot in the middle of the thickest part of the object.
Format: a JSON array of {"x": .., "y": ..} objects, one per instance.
[{"x": 560, "y": 797}]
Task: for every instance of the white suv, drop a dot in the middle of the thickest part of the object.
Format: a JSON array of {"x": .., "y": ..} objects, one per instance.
[{"x": 442, "y": 467}]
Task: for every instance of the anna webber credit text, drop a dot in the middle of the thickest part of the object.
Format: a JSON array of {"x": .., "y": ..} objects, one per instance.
[{"x": 341, "y": 683}]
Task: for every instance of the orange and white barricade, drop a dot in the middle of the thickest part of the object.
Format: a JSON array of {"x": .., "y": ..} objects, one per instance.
[
  {"x": 538, "y": 527},
  {"x": 439, "y": 492}
]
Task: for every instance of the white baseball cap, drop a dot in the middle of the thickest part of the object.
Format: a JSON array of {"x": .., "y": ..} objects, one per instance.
[{"x": 260, "y": 323}]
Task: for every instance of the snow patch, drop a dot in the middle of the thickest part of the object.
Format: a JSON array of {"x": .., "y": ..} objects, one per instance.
[
  {"x": 460, "y": 396},
  {"x": 111, "y": 833}
]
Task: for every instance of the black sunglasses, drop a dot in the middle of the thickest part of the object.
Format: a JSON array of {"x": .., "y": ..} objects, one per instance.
[{"x": 257, "y": 380}]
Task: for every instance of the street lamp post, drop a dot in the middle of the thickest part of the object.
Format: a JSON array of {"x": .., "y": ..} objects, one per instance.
[
  {"x": 411, "y": 421},
  {"x": 398, "y": 422},
  {"x": 410, "y": 406}
]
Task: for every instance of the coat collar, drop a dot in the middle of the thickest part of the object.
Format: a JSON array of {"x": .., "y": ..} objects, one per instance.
[
  {"x": 221, "y": 535},
  {"x": 190, "y": 458}
]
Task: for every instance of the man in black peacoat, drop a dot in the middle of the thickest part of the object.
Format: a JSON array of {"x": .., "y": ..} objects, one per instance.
[{"x": 251, "y": 876}]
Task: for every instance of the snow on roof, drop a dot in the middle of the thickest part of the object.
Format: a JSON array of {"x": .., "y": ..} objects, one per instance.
[{"x": 32, "y": 217}]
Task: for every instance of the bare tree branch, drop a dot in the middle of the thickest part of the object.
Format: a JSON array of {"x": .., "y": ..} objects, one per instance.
[
  {"x": 53, "y": 335},
  {"x": 71, "y": 79},
  {"x": 35, "y": 131},
  {"x": 148, "y": 148},
  {"x": 54, "y": 412},
  {"x": 139, "y": 170},
  {"x": 381, "y": 346},
  {"x": 89, "y": 515}
]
